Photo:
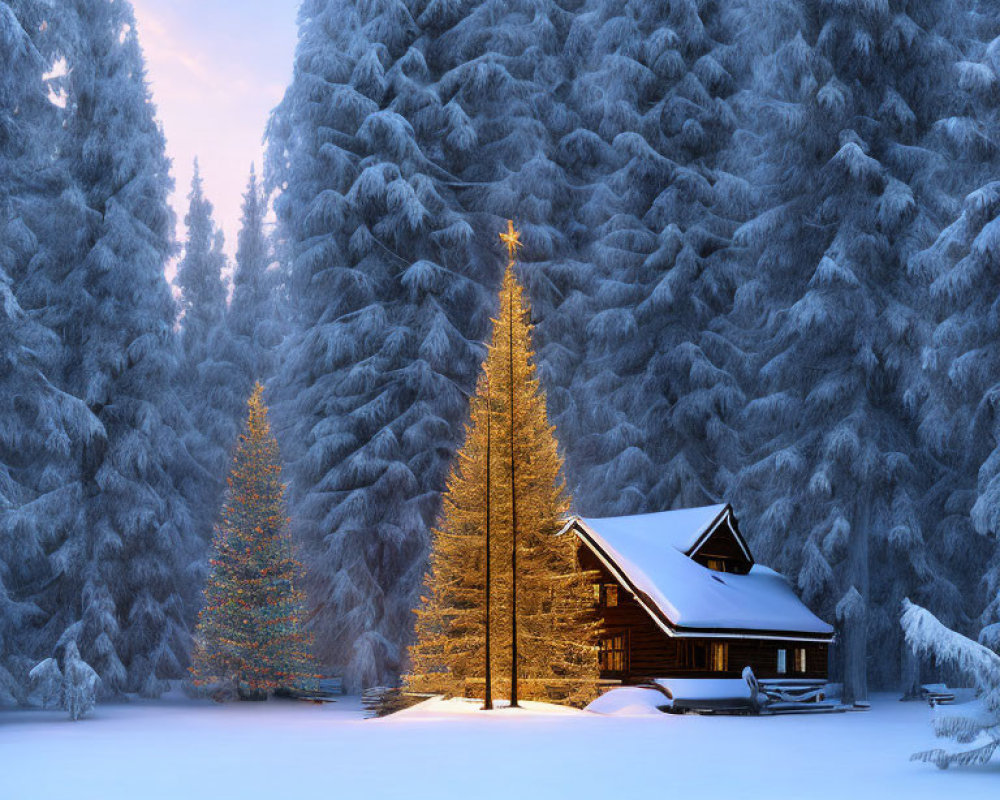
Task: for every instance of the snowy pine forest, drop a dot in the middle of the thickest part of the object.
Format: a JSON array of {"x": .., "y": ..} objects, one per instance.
[{"x": 762, "y": 248}]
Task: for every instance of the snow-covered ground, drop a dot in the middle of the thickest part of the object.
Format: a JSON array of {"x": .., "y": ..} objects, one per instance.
[{"x": 179, "y": 749}]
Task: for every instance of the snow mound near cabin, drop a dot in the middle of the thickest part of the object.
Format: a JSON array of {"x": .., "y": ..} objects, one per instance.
[
  {"x": 443, "y": 708},
  {"x": 629, "y": 701}
]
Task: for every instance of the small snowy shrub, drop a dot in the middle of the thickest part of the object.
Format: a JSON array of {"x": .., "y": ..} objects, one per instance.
[
  {"x": 79, "y": 684},
  {"x": 46, "y": 682},
  {"x": 978, "y": 723},
  {"x": 74, "y": 687}
]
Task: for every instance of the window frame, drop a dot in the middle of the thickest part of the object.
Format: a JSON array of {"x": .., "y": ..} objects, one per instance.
[
  {"x": 800, "y": 661},
  {"x": 612, "y": 659},
  {"x": 610, "y": 590},
  {"x": 718, "y": 653},
  {"x": 602, "y": 591}
]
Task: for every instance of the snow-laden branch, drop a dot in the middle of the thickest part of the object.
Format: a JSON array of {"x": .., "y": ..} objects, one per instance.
[{"x": 979, "y": 724}]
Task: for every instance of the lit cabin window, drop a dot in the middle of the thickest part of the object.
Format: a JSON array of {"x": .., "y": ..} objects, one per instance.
[
  {"x": 610, "y": 595},
  {"x": 782, "y": 661},
  {"x": 718, "y": 656},
  {"x": 597, "y": 594},
  {"x": 612, "y": 653},
  {"x": 800, "y": 659},
  {"x": 718, "y": 564}
]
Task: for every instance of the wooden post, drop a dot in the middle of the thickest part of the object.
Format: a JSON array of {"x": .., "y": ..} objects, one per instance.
[
  {"x": 513, "y": 518},
  {"x": 512, "y": 239},
  {"x": 488, "y": 692}
]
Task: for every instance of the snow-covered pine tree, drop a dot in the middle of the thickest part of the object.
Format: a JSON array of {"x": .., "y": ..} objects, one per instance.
[
  {"x": 501, "y": 89},
  {"x": 389, "y": 311},
  {"x": 556, "y": 628},
  {"x": 120, "y": 573},
  {"x": 209, "y": 381},
  {"x": 652, "y": 89},
  {"x": 254, "y": 317},
  {"x": 38, "y": 422},
  {"x": 960, "y": 417},
  {"x": 500, "y": 100},
  {"x": 843, "y": 112},
  {"x": 468, "y": 104},
  {"x": 966, "y": 723},
  {"x": 984, "y": 57},
  {"x": 200, "y": 276}
]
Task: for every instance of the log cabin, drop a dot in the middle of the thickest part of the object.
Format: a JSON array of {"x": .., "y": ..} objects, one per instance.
[{"x": 683, "y": 605}]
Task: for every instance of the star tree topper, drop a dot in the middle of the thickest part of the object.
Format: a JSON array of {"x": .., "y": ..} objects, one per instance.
[{"x": 512, "y": 239}]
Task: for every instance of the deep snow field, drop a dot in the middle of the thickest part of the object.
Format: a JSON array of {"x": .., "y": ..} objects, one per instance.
[{"x": 198, "y": 750}]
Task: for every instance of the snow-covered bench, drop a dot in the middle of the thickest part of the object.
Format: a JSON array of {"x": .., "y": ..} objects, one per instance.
[
  {"x": 705, "y": 695},
  {"x": 744, "y": 695},
  {"x": 937, "y": 694}
]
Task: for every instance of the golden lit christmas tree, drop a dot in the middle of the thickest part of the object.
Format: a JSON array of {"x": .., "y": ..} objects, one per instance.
[
  {"x": 251, "y": 629},
  {"x": 495, "y": 549}
]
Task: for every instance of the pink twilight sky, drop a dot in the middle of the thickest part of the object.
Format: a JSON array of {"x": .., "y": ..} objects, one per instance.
[{"x": 216, "y": 69}]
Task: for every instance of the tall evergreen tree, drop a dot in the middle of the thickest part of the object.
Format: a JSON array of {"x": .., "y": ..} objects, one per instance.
[
  {"x": 22, "y": 118},
  {"x": 251, "y": 629},
  {"x": 120, "y": 572},
  {"x": 209, "y": 378},
  {"x": 254, "y": 316},
  {"x": 844, "y": 103},
  {"x": 960, "y": 423},
  {"x": 38, "y": 422},
  {"x": 465, "y": 107},
  {"x": 959, "y": 394},
  {"x": 546, "y": 593},
  {"x": 436, "y": 122},
  {"x": 629, "y": 140},
  {"x": 200, "y": 277},
  {"x": 501, "y": 99},
  {"x": 389, "y": 312},
  {"x": 652, "y": 92}
]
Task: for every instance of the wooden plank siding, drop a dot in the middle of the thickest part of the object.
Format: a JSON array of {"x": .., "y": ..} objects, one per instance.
[{"x": 652, "y": 653}]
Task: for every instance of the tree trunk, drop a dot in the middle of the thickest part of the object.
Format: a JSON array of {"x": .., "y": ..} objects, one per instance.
[
  {"x": 855, "y": 622},
  {"x": 910, "y": 669}
]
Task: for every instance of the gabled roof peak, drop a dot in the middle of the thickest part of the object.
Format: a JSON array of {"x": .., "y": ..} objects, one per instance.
[{"x": 681, "y": 528}]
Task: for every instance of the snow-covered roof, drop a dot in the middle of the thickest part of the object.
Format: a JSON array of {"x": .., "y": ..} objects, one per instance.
[
  {"x": 648, "y": 554},
  {"x": 681, "y": 529}
]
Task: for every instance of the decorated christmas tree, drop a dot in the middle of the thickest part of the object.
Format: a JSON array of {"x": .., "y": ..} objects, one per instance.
[
  {"x": 250, "y": 632},
  {"x": 506, "y": 609}
]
